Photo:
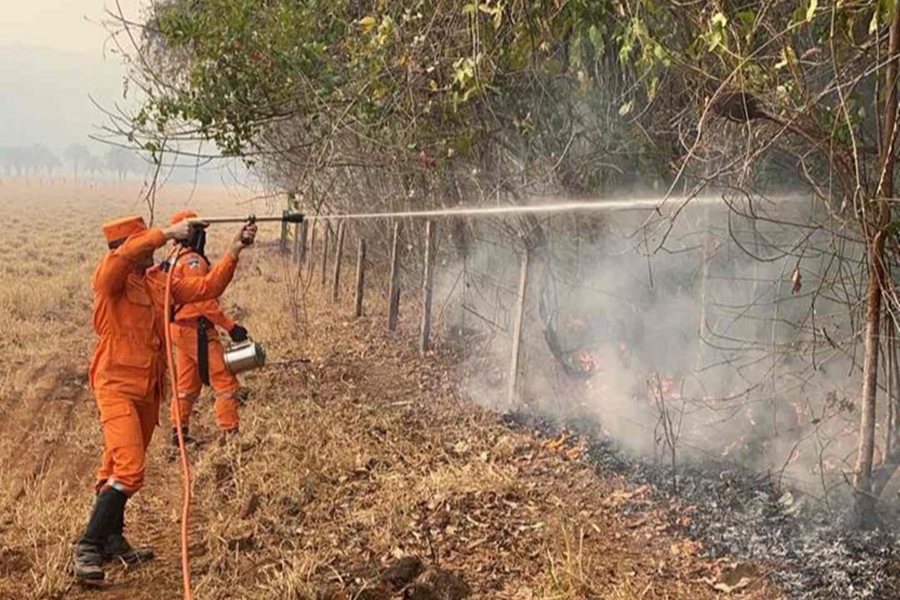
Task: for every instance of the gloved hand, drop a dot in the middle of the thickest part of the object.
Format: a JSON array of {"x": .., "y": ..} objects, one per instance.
[{"x": 238, "y": 334}]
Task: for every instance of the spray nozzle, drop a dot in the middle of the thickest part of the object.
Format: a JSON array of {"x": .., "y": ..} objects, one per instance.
[
  {"x": 292, "y": 216},
  {"x": 289, "y": 216}
]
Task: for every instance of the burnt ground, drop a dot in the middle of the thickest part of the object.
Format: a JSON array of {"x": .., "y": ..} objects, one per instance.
[{"x": 806, "y": 547}]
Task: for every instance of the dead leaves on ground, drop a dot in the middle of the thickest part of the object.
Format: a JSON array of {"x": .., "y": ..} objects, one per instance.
[
  {"x": 407, "y": 469},
  {"x": 733, "y": 577},
  {"x": 566, "y": 445}
]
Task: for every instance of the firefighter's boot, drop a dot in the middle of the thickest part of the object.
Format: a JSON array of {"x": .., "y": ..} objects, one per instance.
[
  {"x": 188, "y": 439},
  {"x": 118, "y": 548},
  {"x": 87, "y": 563}
]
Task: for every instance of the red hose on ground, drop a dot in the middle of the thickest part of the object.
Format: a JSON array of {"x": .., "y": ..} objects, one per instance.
[{"x": 185, "y": 465}]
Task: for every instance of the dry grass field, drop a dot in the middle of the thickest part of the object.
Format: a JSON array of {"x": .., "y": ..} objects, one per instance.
[{"x": 344, "y": 465}]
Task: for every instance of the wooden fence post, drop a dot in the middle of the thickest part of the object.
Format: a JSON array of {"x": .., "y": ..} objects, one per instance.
[
  {"x": 338, "y": 256},
  {"x": 311, "y": 256},
  {"x": 304, "y": 234},
  {"x": 325, "y": 236},
  {"x": 360, "y": 276},
  {"x": 517, "y": 331},
  {"x": 394, "y": 305},
  {"x": 427, "y": 288},
  {"x": 295, "y": 249},
  {"x": 285, "y": 230}
]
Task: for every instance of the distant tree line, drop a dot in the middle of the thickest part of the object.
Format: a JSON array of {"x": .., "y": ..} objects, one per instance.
[{"x": 37, "y": 160}]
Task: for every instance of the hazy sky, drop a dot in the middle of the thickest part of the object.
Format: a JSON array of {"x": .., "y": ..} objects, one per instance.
[
  {"x": 68, "y": 25},
  {"x": 55, "y": 64},
  {"x": 56, "y": 67}
]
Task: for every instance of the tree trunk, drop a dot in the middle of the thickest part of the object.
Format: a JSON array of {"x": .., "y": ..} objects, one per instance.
[
  {"x": 865, "y": 500},
  {"x": 882, "y": 475},
  {"x": 864, "y": 508}
]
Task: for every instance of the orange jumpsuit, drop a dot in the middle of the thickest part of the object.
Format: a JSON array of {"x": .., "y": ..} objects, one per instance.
[
  {"x": 127, "y": 373},
  {"x": 184, "y": 337}
]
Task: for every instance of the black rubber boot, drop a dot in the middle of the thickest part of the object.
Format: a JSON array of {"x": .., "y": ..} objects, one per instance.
[
  {"x": 118, "y": 548},
  {"x": 188, "y": 440},
  {"x": 88, "y": 561}
]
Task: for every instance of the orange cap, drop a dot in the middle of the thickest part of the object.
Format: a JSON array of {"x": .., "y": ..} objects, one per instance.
[
  {"x": 181, "y": 215},
  {"x": 116, "y": 231}
]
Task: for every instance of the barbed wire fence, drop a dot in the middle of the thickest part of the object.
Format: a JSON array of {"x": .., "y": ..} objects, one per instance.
[{"x": 734, "y": 342}]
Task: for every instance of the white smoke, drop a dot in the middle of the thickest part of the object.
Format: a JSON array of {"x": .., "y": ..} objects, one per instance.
[{"x": 748, "y": 367}]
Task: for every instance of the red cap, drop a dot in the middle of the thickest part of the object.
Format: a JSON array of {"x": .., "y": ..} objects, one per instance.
[
  {"x": 181, "y": 215},
  {"x": 118, "y": 230}
]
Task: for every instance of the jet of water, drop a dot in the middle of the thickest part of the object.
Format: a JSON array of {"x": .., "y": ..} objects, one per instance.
[{"x": 635, "y": 204}]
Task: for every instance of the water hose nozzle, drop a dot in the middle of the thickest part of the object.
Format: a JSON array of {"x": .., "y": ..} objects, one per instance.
[{"x": 288, "y": 216}]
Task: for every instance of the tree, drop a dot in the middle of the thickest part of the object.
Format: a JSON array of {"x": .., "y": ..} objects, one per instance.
[
  {"x": 32, "y": 160},
  {"x": 815, "y": 83},
  {"x": 77, "y": 154},
  {"x": 47, "y": 160},
  {"x": 18, "y": 160},
  {"x": 122, "y": 161},
  {"x": 7, "y": 159},
  {"x": 427, "y": 91},
  {"x": 93, "y": 164},
  {"x": 876, "y": 234}
]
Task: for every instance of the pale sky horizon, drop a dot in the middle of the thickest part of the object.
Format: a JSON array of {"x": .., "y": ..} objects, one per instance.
[
  {"x": 57, "y": 61},
  {"x": 56, "y": 66},
  {"x": 64, "y": 25}
]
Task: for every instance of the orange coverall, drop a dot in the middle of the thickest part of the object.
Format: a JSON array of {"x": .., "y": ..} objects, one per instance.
[
  {"x": 127, "y": 373},
  {"x": 184, "y": 337}
]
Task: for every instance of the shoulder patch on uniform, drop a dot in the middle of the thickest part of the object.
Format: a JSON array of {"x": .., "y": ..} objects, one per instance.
[{"x": 193, "y": 262}]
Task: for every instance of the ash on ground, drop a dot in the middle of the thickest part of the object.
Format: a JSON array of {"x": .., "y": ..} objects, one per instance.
[{"x": 807, "y": 547}]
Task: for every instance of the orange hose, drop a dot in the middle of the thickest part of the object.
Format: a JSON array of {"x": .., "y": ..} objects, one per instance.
[{"x": 185, "y": 465}]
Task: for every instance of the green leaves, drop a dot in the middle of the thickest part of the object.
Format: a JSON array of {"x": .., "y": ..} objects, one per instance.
[
  {"x": 716, "y": 36},
  {"x": 884, "y": 11},
  {"x": 811, "y": 10},
  {"x": 368, "y": 23},
  {"x": 387, "y": 71},
  {"x": 893, "y": 228},
  {"x": 494, "y": 11}
]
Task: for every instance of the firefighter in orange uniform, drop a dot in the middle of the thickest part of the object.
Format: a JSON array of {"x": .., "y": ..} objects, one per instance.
[
  {"x": 199, "y": 355},
  {"x": 127, "y": 373}
]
